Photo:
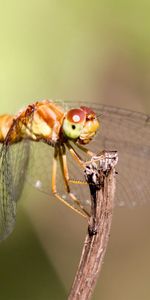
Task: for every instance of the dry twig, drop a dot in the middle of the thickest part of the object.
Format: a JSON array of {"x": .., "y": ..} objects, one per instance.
[{"x": 102, "y": 186}]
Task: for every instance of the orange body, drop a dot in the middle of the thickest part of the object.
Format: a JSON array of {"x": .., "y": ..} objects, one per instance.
[
  {"x": 39, "y": 120},
  {"x": 43, "y": 121}
]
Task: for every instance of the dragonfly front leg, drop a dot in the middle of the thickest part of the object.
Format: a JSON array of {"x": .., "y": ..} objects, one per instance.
[
  {"x": 65, "y": 173},
  {"x": 75, "y": 155},
  {"x": 85, "y": 150},
  {"x": 54, "y": 189},
  {"x": 94, "y": 156}
]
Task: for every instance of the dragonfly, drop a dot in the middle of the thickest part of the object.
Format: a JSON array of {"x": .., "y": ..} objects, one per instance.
[{"x": 49, "y": 142}]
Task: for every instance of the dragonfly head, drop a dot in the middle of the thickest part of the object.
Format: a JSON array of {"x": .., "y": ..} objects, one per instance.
[{"x": 80, "y": 124}]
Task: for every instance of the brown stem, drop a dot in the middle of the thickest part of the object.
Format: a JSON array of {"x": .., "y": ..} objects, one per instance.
[{"x": 102, "y": 199}]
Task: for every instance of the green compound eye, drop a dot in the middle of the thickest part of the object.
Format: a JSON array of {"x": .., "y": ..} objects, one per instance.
[
  {"x": 71, "y": 130},
  {"x": 73, "y": 123}
]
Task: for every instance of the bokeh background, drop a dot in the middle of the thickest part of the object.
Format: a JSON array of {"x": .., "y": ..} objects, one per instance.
[{"x": 76, "y": 50}]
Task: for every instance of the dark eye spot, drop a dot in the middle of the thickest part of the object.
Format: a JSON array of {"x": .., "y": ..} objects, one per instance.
[{"x": 73, "y": 127}]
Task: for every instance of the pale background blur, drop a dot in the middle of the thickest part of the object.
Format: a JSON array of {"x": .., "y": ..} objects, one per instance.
[{"x": 76, "y": 50}]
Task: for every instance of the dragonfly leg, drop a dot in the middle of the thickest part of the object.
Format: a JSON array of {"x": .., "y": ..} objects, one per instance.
[
  {"x": 96, "y": 157},
  {"x": 65, "y": 173},
  {"x": 93, "y": 155},
  {"x": 87, "y": 151},
  {"x": 54, "y": 189},
  {"x": 75, "y": 155},
  {"x": 79, "y": 160},
  {"x": 76, "y": 181}
]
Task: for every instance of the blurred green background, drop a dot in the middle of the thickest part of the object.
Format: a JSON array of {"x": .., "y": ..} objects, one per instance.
[{"x": 87, "y": 50}]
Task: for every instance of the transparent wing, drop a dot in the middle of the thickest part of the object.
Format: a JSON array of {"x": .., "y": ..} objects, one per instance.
[{"x": 13, "y": 163}]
